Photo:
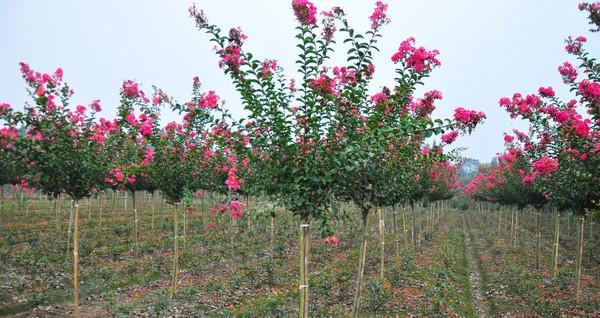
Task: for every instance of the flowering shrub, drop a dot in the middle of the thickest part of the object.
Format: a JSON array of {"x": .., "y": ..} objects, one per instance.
[
  {"x": 62, "y": 147},
  {"x": 564, "y": 145}
]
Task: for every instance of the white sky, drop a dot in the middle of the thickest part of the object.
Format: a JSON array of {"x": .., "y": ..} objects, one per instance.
[{"x": 489, "y": 49}]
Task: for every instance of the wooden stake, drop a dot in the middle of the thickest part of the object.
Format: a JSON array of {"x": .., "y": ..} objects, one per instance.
[
  {"x": 579, "y": 261},
  {"x": 537, "y": 240},
  {"x": 304, "y": 279},
  {"x": 272, "y": 228},
  {"x": 361, "y": 265},
  {"x": 175, "y": 253},
  {"x": 556, "y": 243},
  {"x": 381, "y": 242},
  {"x": 76, "y": 262}
]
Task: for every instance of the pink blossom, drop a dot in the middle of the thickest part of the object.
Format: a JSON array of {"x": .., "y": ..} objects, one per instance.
[
  {"x": 450, "y": 137},
  {"x": 545, "y": 165},
  {"x": 590, "y": 91},
  {"x": 131, "y": 179},
  {"x": 59, "y": 74},
  {"x": 419, "y": 59},
  {"x": 211, "y": 226},
  {"x": 149, "y": 154},
  {"x": 130, "y": 89},
  {"x": 95, "y": 105},
  {"x": 146, "y": 127},
  {"x": 305, "y": 12},
  {"x": 268, "y": 67},
  {"x": 469, "y": 118},
  {"x": 80, "y": 109},
  {"x": 332, "y": 240},
  {"x": 568, "y": 73},
  {"x": 508, "y": 138},
  {"x": 119, "y": 175},
  {"x": 4, "y": 107},
  {"x": 130, "y": 118},
  {"x": 209, "y": 100},
  {"x": 379, "y": 17},
  {"x": 546, "y": 91}
]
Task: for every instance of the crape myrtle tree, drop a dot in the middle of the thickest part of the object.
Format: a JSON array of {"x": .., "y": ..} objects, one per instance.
[
  {"x": 505, "y": 184},
  {"x": 62, "y": 147},
  {"x": 129, "y": 147},
  {"x": 189, "y": 156},
  {"x": 11, "y": 168},
  {"x": 306, "y": 137},
  {"x": 387, "y": 128},
  {"x": 564, "y": 149}
]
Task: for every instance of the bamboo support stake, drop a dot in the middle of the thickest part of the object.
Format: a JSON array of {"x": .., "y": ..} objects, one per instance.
[
  {"x": 69, "y": 231},
  {"x": 579, "y": 260},
  {"x": 556, "y": 243},
  {"x": 100, "y": 209},
  {"x": 382, "y": 243},
  {"x": 537, "y": 240},
  {"x": 272, "y": 230},
  {"x": 135, "y": 223},
  {"x": 361, "y": 267},
  {"x": 1, "y": 204},
  {"x": 153, "y": 211},
  {"x": 396, "y": 232},
  {"x": 304, "y": 279},
  {"x": 76, "y": 262},
  {"x": 175, "y": 253}
]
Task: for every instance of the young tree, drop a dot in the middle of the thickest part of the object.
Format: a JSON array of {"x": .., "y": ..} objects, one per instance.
[{"x": 63, "y": 148}]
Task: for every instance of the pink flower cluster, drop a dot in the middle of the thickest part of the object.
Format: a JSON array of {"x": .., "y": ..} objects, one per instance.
[
  {"x": 419, "y": 59},
  {"x": 231, "y": 57},
  {"x": 423, "y": 107},
  {"x": 209, "y": 100},
  {"x": 268, "y": 67},
  {"x": 546, "y": 92},
  {"x": 450, "y": 137},
  {"x": 332, "y": 240},
  {"x": 379, "y": 17},
  {"x": 568, "y": 73},
  {"x": 574, "y": 46},
  {"x": 590, "y": 91},
  {"x": 468, "y": 118},
  {"x": 545, "y": 165},
  {"x": 594, "y": 14},
  {"x": 521, "y": 106},
  {"x": 305, "y": 12}
]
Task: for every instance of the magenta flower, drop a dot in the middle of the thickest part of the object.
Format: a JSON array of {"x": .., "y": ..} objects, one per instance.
[
  {"x": 378, "y": 17},
  {"x": 450, "y": 137},
  {"x": 305, "y": 12},
  {"x": 545, "y": 165}
]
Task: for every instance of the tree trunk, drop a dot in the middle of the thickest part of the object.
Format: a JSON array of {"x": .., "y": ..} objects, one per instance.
[
  {"x": 175, "y": 253},
  {"x": 404, "y": 230},
  {"x": 579, "y": 260},
  {"x": 76, "y": 262},
  {"x": 304, "y": 273},
  {"x": 361, "y": 263}
]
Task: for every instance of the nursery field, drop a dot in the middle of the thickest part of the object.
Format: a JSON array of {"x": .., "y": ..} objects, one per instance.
[{"x": 439, "y": 261}]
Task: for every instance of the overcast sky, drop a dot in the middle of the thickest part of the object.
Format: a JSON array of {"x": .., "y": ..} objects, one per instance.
[{"x": 489, "y": 49}]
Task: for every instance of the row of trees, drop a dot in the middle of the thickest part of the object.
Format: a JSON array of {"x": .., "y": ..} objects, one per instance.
[
  {"x": 305, "y": 143},
  {"x": 557, "y": 161}
]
